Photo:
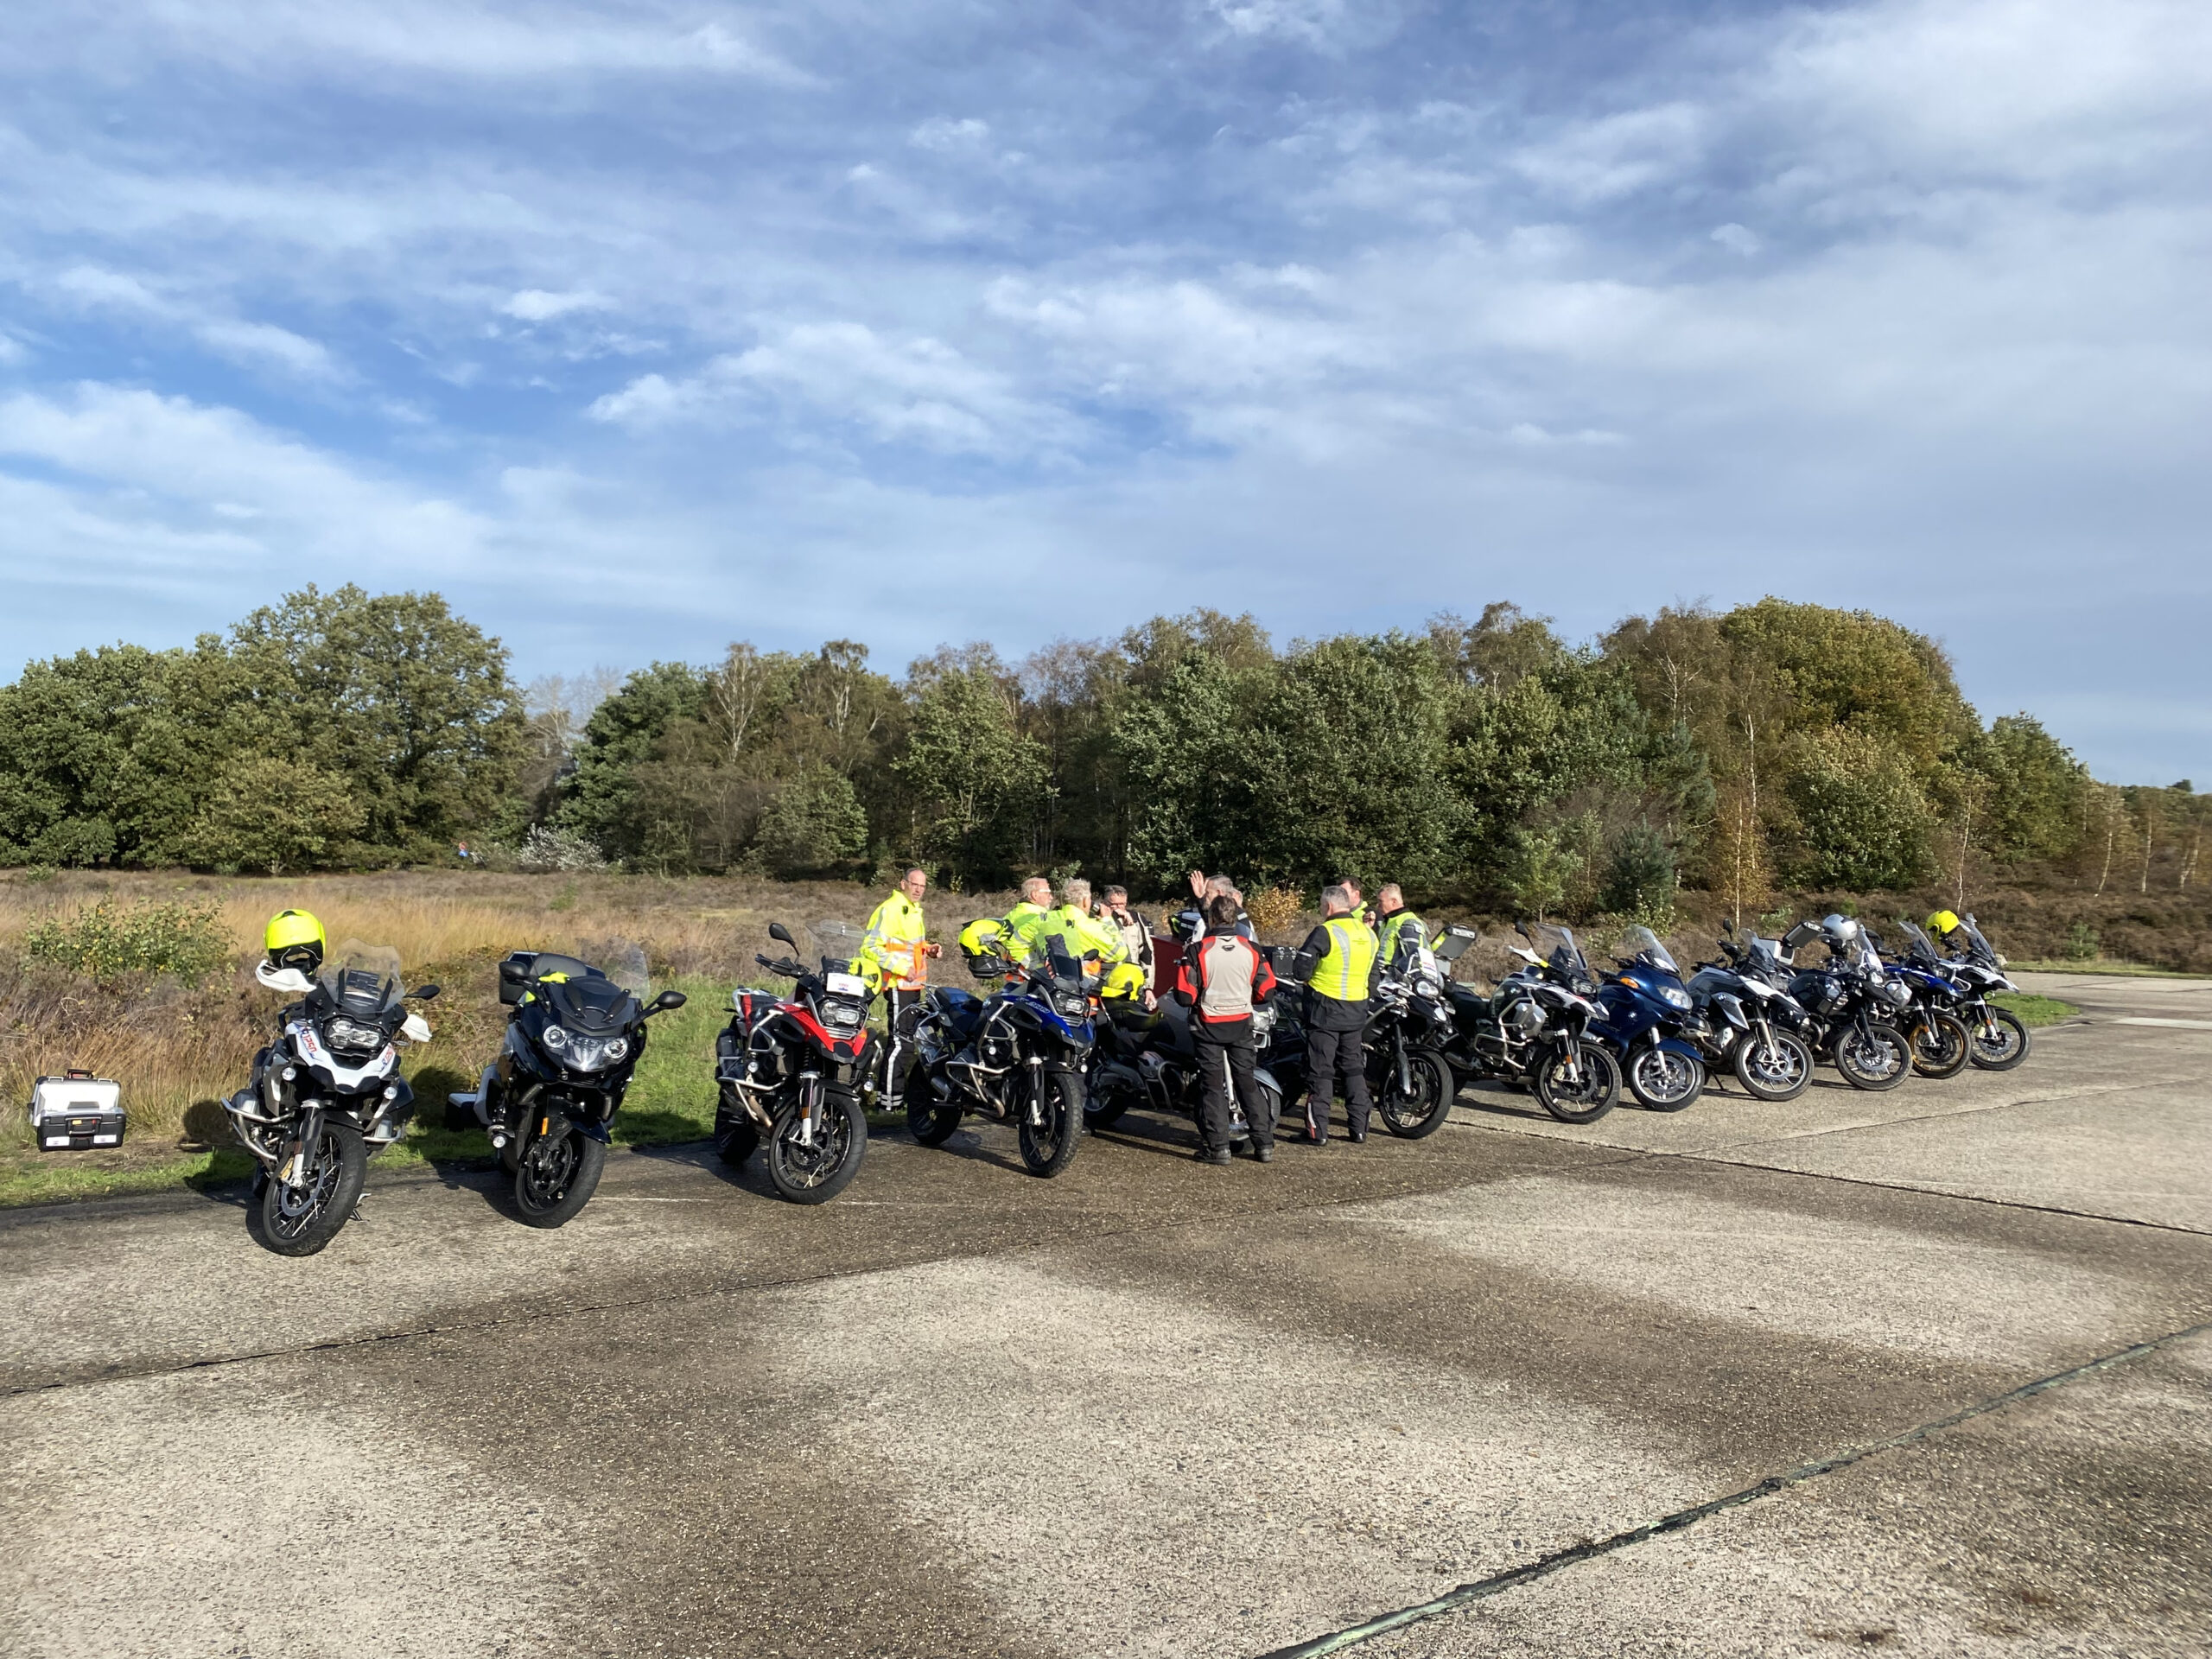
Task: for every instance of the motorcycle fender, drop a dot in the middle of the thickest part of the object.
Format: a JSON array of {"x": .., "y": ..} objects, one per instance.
[{"x": 1676, "y": 1045}]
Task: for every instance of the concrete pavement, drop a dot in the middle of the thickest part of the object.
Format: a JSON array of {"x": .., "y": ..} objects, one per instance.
[{"x": 1156, "y": 1409}]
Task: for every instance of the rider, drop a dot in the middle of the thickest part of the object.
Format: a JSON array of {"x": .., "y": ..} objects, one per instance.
[
  {"x": 1340, "y": 967},
  {"x": 1086, "y": 936},
  {"x": 1025, "y": 923},
  {"x": 1222, "y": 980},
  {"x": 897, "y": 943},
  {"x": 1403, "y": 934}
]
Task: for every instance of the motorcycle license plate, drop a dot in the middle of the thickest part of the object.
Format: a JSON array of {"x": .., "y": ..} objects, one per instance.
[{"x": 846, "y": 985}]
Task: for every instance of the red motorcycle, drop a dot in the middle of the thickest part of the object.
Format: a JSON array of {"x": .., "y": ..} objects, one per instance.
[{"x": 790, "y": 1069}]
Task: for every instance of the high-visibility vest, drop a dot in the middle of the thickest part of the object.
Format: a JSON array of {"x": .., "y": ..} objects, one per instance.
[
  {"x": 895, "y": 935},
  {"x": 1084, "y": 934},
  {"x": 1394, "y": 924},
  {"x": 1024, "y": 923},
  {"x": 1341, "y": 974}
]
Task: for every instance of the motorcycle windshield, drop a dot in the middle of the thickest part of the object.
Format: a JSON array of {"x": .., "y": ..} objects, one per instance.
[
  {"x": 1916, "y": 945},
  {"x": 1555, "y": 945},
  {"x": 838, "y": 944},
  {"x": 1642, "y": 944},
  {"x": 1979, "y": 949},
  {"x": 1051, "y": 962},
  {"x": 362, "y": 979}
]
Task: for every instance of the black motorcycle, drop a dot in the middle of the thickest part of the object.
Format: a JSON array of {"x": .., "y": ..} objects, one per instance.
[
  {"x": 327, "y": 1093},
  {"x": 1148, "y": 1058},
  {"x": 1851, "y": 1001},
  {"x": 1534, "y": 1031},
  {"x": 1755, "y": 1030},
  {"x": 1409, "y": 1025},
  {"x": 573, "y": 1042},
  {"x": 2000, "y": 1038},
  {"x": 1016, "y": 1055}
]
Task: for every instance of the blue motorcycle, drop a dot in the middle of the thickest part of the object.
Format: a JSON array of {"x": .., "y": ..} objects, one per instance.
[
  {"x": 1646, "y": 1015},
  {"x": 1015, "y": 1056}
]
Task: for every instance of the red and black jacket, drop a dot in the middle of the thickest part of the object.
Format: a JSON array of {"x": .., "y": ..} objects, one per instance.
[{"x": 1222, "y": 978}]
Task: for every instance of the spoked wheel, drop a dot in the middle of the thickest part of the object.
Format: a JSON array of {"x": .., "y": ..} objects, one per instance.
[
  {"x": 1941, "y": 1046},
  {"x": 1873, "y": 1057},
  {"x": 815, "y": 1168},
  {"x": 300, "y": 1220},
  {"x": 737, "y": 1137},
  {"x": 1778, "y": 1069},
  {"x": 1663, "y": 1081},
  {"x": 1577, "y": 1087},
  {"x": 2000, "y": 1041},
  {"x": 557, "y": 1173},
  {"x": 928, "y": 1120},
  {"x": 1050, "y": 1127},
  {"x": 1416, "y": 1111}
]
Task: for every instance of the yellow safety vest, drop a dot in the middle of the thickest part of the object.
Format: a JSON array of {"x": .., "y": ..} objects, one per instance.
[
  {"x": 1392, "y": 926},
  {"x": 1341, "y": 974},
  {"x": 1085, "y": 935},
  {"x": 1024, "y": 923},
  {"x": 895, "y": 935}
]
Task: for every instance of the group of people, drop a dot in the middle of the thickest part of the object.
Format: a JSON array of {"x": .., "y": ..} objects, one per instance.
[{"x": 1222, "y": 978}]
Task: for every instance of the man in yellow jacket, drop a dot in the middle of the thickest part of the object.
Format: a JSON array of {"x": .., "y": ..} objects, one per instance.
[
  {"x": 1086, "y": 935},
  {"x": 897, "y": 944}
]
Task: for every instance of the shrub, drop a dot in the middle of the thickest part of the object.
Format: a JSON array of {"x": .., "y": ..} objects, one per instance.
[
  {"x": 1640, "y": 877},
  {"x": 270, "y": 814},
  {"x": 109, "y": 942},
  {"x": 546, "y": 848},
  {"x": 812, "y": 823},
  {"x": 1273, "y": 909},
  {"x": 1865, "y": 819},
  {"x": 2081, "y": 942}
]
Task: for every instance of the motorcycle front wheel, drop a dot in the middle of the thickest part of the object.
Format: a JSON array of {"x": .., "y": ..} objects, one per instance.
[
  {"x": 557, "y": 1175},
  {"x": 1663, "y": 1081},
  {"x": 2000, "y": 1041},
  {"x": 301, "y": 1220},
  {"x": 1779, "y": 1069},
  {"x": 1941, "y": 1046},
  {"x": 816, "y": 1170},
  {"x": 1586, "y": 1095},
  {"x": 1873, "y": 1057},
  {"x": 1416, "y": 1112},
  {"x": 1050, "y": 1127},
  {"x": 928, "y": 1120}
]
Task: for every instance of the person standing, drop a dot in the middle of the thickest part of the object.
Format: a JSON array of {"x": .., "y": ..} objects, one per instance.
[
  {"x": 1403, "y": 934},
  {"x": 1339, "y": 964},
  {"x": 1222, "y": 980},
  {"x": 897, "y": 943},
  {"x": 1026, "y": 921},
  {"x": 1136, "y": 935}
]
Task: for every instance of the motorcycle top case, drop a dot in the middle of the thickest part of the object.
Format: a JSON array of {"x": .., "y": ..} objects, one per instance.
[{"x": 77, "y": 1112}]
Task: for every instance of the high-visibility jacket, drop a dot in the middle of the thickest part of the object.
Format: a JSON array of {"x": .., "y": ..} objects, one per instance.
[
  {"x": 1402, "y": 932},
  {"x": 1024, "y": 923},
  {"x": 893, "y": 942},
  {"x": 1085, "y": 935},
  {"x": 1344, "y": 971}
]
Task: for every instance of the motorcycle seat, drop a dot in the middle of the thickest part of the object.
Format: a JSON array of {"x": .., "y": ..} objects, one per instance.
[{"x": 963, "y": 1009}]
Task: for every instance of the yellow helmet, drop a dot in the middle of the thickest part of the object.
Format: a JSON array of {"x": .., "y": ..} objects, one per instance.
[
  {"x": 1943, "y": 921},
  {"x": 295, "y": 939}
]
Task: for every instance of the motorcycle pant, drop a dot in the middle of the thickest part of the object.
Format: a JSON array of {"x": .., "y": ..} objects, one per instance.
[
  {"x": 1225, "y": 1057},
  {"x": 1334, "y": 1057}
]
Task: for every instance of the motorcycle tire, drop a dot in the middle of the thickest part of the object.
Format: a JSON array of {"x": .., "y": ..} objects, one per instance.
[
  {"x": 1859, "y": 1068},
  {"x": 816, "y": 1173},
  {"x": 2004, "y": 1049},
  {"x": 1665, "y": 1081},
  {"x": 928, "y": 1120},
  {"x": 1416, "y": 1115},
  {"x": 296, "y": 1222},
  {"x": 1781, "y": 1072},
  {"x": 1941, "y": 1046},
  {"x": 1584, "y": 1101},
  {"x": 557, "y": 1175},
  {"x": 737, "y": 1137},
  {"x": 1047, "y": 1147}
]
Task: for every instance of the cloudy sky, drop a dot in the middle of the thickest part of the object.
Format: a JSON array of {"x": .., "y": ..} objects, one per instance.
[{"x": 637, "y": 327}]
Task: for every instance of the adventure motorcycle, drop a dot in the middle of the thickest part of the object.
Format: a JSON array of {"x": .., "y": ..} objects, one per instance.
[
  {"x": 1016, "y": 1055},
  {"x": 1753, "y": 1029},
  {"x": 573, "y": 1042},
  {"x": 1851, "y": 1001},
  {"x": 2000, "y": 1038},
  {"x": 1648, "y": 1017},
  {"x": 327, "y": 1093},
  {"x": 1409, "y": 1023},
  {"x": 1534, "y": 1031},
  {"x": 791, "y": 1068},
  {"x": 1148, "y": 1058},
  {"x": 1941, "y": 1046}
]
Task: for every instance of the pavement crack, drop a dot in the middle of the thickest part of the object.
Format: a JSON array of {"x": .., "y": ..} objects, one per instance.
[{"x": 1544, "y": 1566}]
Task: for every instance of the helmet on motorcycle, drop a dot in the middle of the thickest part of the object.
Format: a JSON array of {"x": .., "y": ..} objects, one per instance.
[
  {"x": 1943, "y": 923},
  {"x": 1838, "y": 929},
  {"x": 293, "y": 939}
]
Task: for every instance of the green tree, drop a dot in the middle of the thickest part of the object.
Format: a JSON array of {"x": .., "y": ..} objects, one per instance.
[
  {"x": 813, "y": 823},
  {"x": 270, "y": 814},
  {"x": 974, "y": 778},
  {"x": 1864, "y": 822},
  {"x": 601, "y": 796}
]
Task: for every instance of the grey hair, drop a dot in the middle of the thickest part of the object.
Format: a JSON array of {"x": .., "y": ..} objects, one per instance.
[
  {"x": 1390, "y": 890},
  {"x": 1219, "y": 885},
  {"x": 1076, "y": 891},
  {"x": 1336, "y": 897},
  {"x": 914, "y": 871},
  {"x": 1117, "y": 891},
  {"x": 1033, "y": 884}
]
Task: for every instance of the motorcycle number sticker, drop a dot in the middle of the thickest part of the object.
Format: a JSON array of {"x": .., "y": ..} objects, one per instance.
[{"x": 846, "y": 985}]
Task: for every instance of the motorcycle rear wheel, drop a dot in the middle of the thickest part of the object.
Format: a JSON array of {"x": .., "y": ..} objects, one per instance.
[
  {"x": 557, "y": 1175},
  {"x": 1663, "y": 1081},
  {"x": 2004, "y": 1050},
  {"x": 1877, "y": 1057},
  {"x": 297, "y": 1221},
  {"x": 1587, "y": 1096},
  {"x": 1778, "y": 1071},
  {"x": 1048, "y": 1147},
  {"x": 816, "y": 1172},
  {"x": 737, "y": 1137},
  {"x": 928, "y": 1120},
  {"x": 1420, "y": 1113},
  {"x": 1941, "y": 1046}
]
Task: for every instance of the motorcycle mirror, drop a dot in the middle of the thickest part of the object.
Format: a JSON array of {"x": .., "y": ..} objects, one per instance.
[
  {"x": 667, "y": 1000},
  {"x": 778, "y": 931},
  {"x": 510, "y": 973},
  {"x": 1521, "y": 928},
  {"x": 1728, "y": 926},
  {"x": 425, "y": 993}
]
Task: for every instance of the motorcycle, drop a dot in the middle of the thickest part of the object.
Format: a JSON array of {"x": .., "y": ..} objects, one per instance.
[
  {"x": 1017, "y": 1056},
  {"x": 1648, "y": 1017},
  {"x": 1851, "y": 1001},
  {"x": 1148, "y": 1058},
  {"x": 327, "y": 1093},
  {"x": 1534, "y": 1031},
  {"x": 1408, "y": 1077},
  {"x": 1754, "y": 1029},
  {"x": 791, "y": 1068},
  {"x": 1941, "y": 1046},
  {"x": 573, "y": 1042},
  {"x": 2000, "y": 1038}
]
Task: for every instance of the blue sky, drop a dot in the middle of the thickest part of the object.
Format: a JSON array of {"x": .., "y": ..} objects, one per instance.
[{"x": 636, "y": 328}]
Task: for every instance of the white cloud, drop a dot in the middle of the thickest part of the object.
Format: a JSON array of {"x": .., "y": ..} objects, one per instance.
[
  {"x": 536, "y": 305},
  {"x": 1616, "y": 155},
  {"x": 1312, "y": 22},
  {"x": 942, "y": 133},
  {"x": 1736, "y": 239},
  {"x": 236, "y": 339}
]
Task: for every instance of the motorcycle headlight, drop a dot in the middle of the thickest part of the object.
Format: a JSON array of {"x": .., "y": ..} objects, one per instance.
[
  {"x": 555, "y": 1038},
  {"x": 591, "y": 1053},
  {"x": 617, "y": 1050},
  {"x": 1676, "y": 998},
  {"x": 1071, "y": 1007},
  {"x": 351, "y": 1036}
]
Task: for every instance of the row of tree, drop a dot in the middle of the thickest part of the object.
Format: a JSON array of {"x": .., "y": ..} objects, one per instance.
[{"x": 1775, "y": 744}]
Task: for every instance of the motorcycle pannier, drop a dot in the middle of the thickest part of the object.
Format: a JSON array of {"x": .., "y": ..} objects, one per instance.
[{"x": 77, "y": 1112}]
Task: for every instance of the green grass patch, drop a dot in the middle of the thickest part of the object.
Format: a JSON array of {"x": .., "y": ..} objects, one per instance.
[
  {"x": 2100, "y": 965},
  {"x": 55, "y": 1180},
  {"x": 2034, "y": 1010}
]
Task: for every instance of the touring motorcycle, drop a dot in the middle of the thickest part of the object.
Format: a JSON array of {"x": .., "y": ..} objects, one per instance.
[
  {"x": 791, "y": 1068},
  {"x": 1146, "y": 1058},
  {"x": 1757, "y": 1030},
  {"x": 327, "y": 1093},
  {"x": 1647, "y": 1015}
]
